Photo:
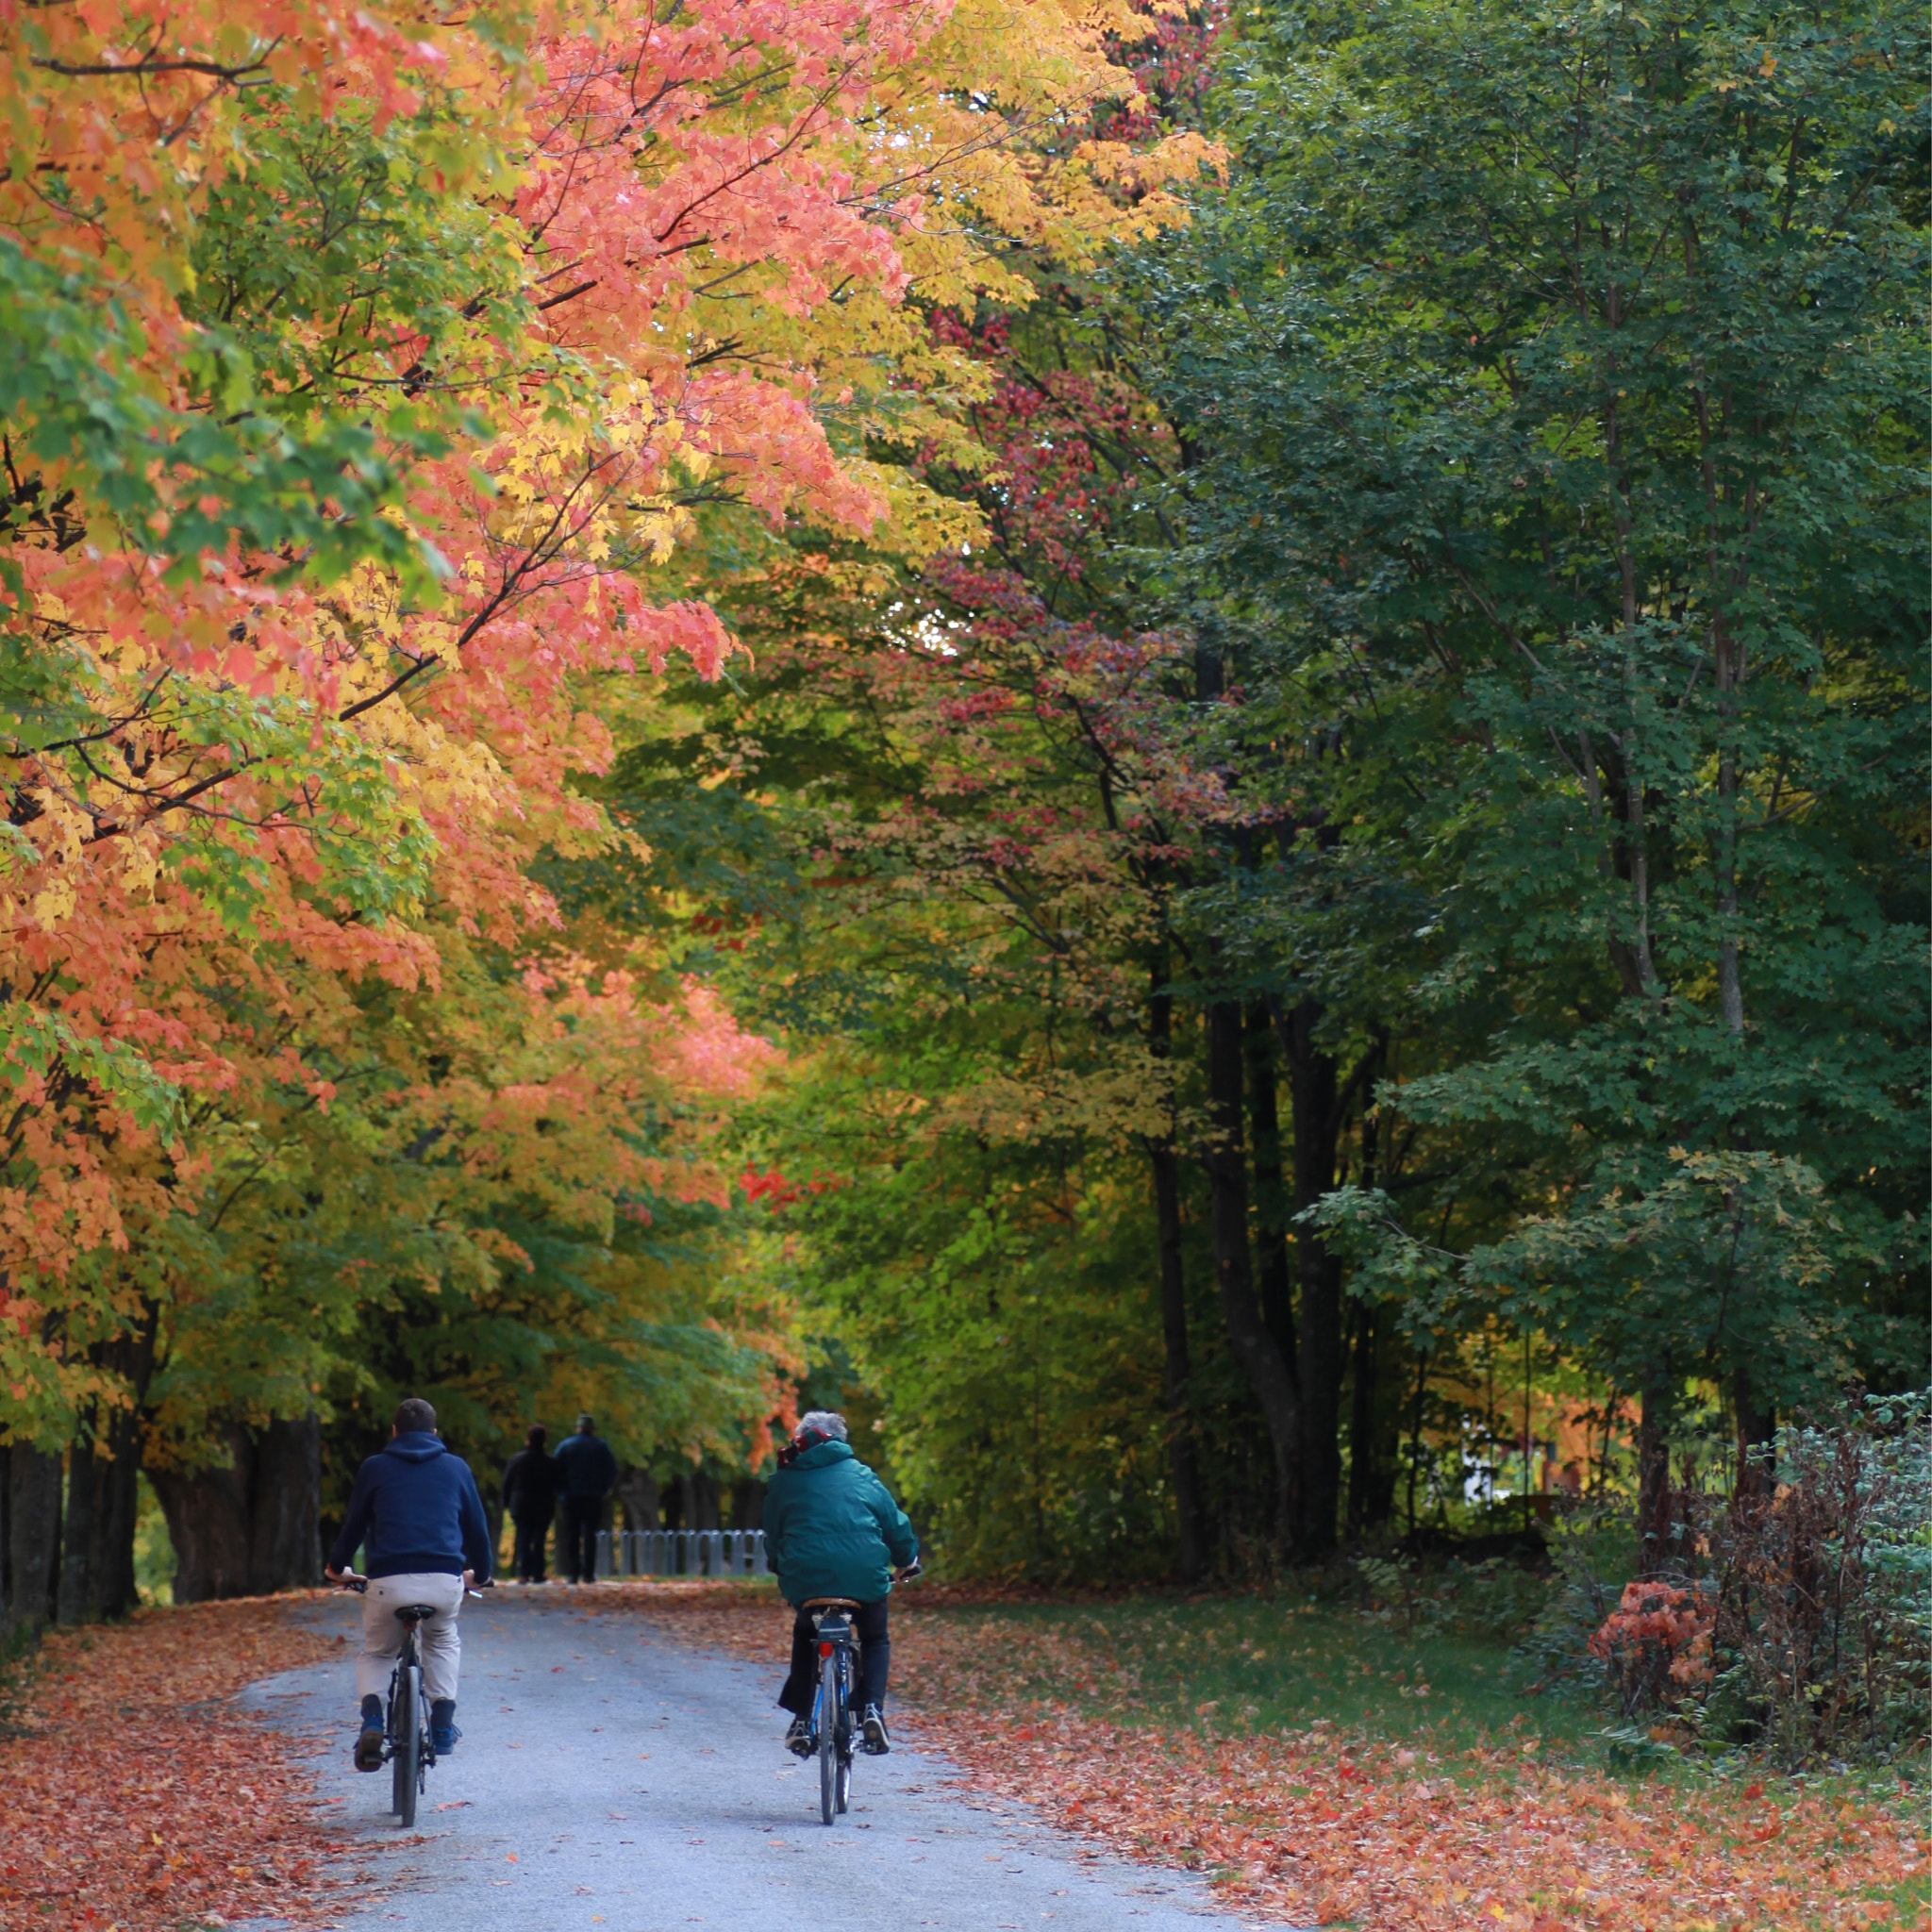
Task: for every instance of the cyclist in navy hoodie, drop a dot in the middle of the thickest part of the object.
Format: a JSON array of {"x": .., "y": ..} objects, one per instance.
[{"x": 416, "y": 1508}]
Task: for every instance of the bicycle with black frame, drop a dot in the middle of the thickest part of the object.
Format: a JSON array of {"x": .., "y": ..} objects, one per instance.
[
  {"x": 408, "y": 1746},
  {"x": 831, "y": 1705}
]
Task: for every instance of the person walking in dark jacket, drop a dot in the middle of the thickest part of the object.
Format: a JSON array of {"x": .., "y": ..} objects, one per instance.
[
  {"x": 833, "y": 1529},
  {"x": 529, "y": 1493},
  {"x": 586, "y": 1474},
  {"x": 417, "y": 1516}
]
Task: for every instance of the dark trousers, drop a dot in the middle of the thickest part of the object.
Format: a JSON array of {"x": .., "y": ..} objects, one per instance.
[
  {"x": 533, "y": 1536},
  {"x": 578, "y": 1558},
  {"x": 874, "y": 1659}
]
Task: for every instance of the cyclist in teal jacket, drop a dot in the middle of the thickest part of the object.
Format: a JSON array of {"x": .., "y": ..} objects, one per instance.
[{"x": 833, "y": 1529}]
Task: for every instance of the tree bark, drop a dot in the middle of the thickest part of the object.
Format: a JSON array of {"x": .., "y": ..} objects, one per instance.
[
  {"x": 285, "y": 1526},
  {"x": 1757, "y": 1426},
  {"x": 102, "y": 1483},
  {"x": 1261, "y": 1361},
  {"x": 1654, "y": 1541},
  {"x": 1182, "y": 1462},
  {"x": 1182, "y": 1457},
  {"x": 1361, "y": 1424},
  {"x": 1271, "y": 1194},
  {"x": 700, "y": 1499},
  {"x": 75, "y": 1597},
  {"x": 254, "y": 1526},
  {"x": 636, "y": 1490},
  {"x": 1312, "y": 1095},
  {"x": 33, "y": 1538},
  {"x": 1415, "y": 1431},
  {"x": 747, "y": 1502}
]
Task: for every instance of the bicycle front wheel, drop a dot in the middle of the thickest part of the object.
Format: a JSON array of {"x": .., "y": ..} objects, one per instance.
[
  {"x": 406, "y": 1736},
  {"x": 830, "y": 1727}
]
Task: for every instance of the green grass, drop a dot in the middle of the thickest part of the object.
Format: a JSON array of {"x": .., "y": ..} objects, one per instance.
[
  {"x": 1285, "y": 1663},
  {"x": 1439, "y": 1673}
]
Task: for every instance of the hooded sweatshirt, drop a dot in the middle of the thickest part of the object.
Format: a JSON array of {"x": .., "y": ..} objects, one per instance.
[{"x": 416, "y": 1508}]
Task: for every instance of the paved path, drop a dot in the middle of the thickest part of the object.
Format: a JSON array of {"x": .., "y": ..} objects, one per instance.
[{"x": 608, "y": 1777}]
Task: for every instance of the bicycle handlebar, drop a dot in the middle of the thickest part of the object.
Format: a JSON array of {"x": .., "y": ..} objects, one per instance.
[
  {"x": 360, "y": 1584},
  {"x": 910, "y": 1570}
]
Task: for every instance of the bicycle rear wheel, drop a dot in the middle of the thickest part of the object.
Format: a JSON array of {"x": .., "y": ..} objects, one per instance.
[
  {"x": 406, "y": 1741},
  {"x": 829, "y": 1717}
]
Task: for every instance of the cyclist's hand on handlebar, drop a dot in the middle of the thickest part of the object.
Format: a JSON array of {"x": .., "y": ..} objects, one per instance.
[
  {"x": 346, "y": 1579},
  {"x": 907, "y": 1574}
]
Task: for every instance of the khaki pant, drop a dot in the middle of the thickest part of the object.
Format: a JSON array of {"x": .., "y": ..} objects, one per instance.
[{"x": 437, "y": 1641}]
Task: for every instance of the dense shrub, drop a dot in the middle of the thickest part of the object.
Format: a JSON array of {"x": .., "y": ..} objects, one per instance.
[
  {"x": 1823, "y": 1616},
  {"x": 1794, "y": 1613}
]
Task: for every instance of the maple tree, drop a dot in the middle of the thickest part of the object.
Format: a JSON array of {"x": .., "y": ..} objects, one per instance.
[{"x": 368, "y": 374}]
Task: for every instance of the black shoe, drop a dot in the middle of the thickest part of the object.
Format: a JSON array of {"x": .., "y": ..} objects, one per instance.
[
  {"x": 798, "y": 1739},
  {"x": 369, "y": 1750},
  {"x": 874, "y": 1724},
  {"x": 442, "y": 1726}
]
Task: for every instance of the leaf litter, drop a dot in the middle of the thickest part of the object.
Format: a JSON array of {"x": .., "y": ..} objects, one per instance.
[
  {"x": 139, "y": 1797},
  {"x": 1318, "y": 1826}
]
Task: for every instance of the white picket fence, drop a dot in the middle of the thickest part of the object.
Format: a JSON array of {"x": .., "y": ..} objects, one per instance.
[{"x": 681, "y": 1553}]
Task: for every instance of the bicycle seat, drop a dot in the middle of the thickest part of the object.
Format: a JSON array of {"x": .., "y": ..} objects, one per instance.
[
  {"x": 831, "y": 1603},
  {"x": 416, "y": 1613}
]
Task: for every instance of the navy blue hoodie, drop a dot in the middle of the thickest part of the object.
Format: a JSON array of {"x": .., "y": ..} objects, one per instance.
[{"x": 417, "y": 1507}]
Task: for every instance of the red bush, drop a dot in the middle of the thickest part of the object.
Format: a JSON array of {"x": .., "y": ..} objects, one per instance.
[{"x": 1656, "y": 1642}]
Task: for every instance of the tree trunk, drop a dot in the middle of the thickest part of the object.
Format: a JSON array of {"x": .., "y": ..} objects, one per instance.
[
  {"x": 1261, "y": 1361},
  {"x": 1183, "y": 1464},
  {"x": 1362, "y": 1473},
  {"x": 1654, "y": 1541},
  {"x": 103, "y": 1482},
  {"x": 1757, "y": 1426},
  {"x": 1312, "y": 1094},
  {"x": 254, "y": 1526},
  {"x": 1415, "y": 1431},
  {"x": 700, "y": 1499},
  {"x": 1270, "y": 1196},
  {"x": 747, "y": 1502},
  {"x": 75, "y": 1596},
  {"x": 33, "y": 1538},
  {"x": 1182, "y": 1454},
  {"x": 637, "y": 1488},
  {"x": 103, "y": 1494},
  {"x": 285, "y": 1528}
]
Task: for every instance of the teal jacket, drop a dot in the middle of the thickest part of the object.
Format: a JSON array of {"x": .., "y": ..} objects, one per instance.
[{"x": 832, "y": 1528}]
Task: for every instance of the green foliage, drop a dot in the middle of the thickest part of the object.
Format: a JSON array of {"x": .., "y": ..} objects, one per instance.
[
  {"x": 77, "y": 399},
  {"x": 1559, "y": 376}
]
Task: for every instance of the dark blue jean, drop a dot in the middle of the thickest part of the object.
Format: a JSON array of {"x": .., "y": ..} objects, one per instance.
[{"x": 874, "y": 1659}]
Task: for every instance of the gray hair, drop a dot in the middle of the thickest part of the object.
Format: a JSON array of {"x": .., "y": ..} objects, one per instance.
[{"x": 826, "y": 1423}]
